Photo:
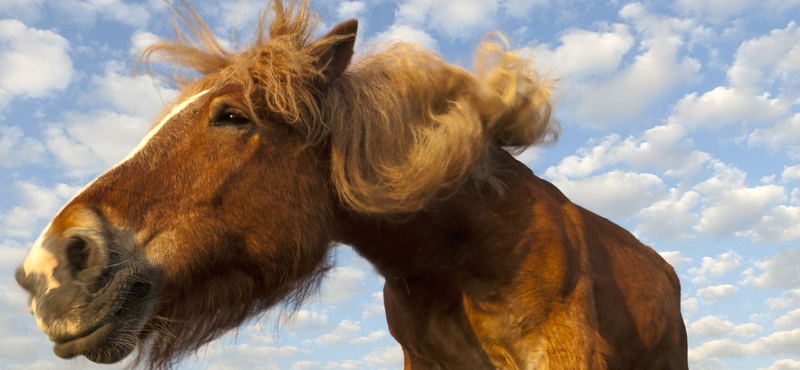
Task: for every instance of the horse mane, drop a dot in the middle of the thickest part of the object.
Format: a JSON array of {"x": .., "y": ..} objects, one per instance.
[{"x": 405, "y": 127}]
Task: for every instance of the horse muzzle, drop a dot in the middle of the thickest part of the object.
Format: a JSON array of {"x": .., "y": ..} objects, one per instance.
[{"x": 87, "y": 299}]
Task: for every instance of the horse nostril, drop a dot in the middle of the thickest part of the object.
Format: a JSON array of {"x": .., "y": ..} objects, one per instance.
[{"x": 77, "y": 252}]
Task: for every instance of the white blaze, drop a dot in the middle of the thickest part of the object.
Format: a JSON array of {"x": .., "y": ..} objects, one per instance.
[{"x": 42, "y": 261}]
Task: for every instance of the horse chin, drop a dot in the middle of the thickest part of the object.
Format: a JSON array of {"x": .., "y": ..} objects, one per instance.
[{"x": 120, "y": 334}]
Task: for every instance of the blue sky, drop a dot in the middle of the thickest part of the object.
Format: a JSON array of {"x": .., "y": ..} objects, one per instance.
[{"x": 680, "y": 121}]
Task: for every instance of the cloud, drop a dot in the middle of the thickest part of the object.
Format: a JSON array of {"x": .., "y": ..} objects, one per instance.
[
  {"x": 34, "y": 63},
  {"x": 627, "y": 93},
  {"x": 85, "y": 12},
  {"x": 350, "y": 9},
  {"x": 405, "y": 33},
  {"x": 582, "y": 53},
  {"x": 616, "y": 193},
  {"x": 669, "y": 218},
  {"x": 785, "y": 133},
  {"x": 785, "y": 364},
  {"x": 719, "y": 10},
  {"x": 456, "y": 18},
  {"x": 304, "y": 319},
  {"x": 768, "y": 59},
  {"x": 780, "y": 225},
  {"x": 729, "y": 105},
  {"x": 16, "y": 149},
  {"x": 342, "y": 284},
  {"x": 712, "y": 326},
  {"x": 713, "y": 294},
  {"x": 789, "y": 298},
  {"x": 730, "y": 206},
  {"x": 27, "y": 10},
  {"x": 36, "y": 202},
  {"x": 788, "y": 321},
  {"x": 385, "y": 357},
  {"x": 777, "y": 343},
  {"x": 375, "y": 308},
  {"x": 715, "y": 267},
  {"x": 781, "y": 271}
]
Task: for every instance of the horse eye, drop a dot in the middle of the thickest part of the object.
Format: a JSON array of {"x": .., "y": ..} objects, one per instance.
[{"x": 230, "y": 119}]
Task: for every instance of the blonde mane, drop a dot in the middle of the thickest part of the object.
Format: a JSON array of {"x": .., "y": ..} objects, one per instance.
[{"x": 404, "y": 126}]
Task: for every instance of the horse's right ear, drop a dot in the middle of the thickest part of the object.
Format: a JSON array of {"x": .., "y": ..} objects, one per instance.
[{"x": 335, "y": 49}]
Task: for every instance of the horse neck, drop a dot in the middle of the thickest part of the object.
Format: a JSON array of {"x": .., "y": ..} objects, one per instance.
[{"x": 473, "y": 234}]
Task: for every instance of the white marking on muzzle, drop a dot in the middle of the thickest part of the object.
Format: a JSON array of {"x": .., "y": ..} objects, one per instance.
[{"x": 42, "y": 261}]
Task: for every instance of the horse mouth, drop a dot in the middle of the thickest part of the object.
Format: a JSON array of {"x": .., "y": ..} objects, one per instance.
[{"x": 118, "y": 334}]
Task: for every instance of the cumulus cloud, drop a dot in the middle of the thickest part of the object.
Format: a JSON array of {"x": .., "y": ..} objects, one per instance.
[
  {"x": 712, "y": 326},
  {"x": 671, "y": 217},
  {"x": 616, "y": 193},
  {"x": 626, "y": 93},
  {"x": 342, "y": 283},
  {"x": 777, "y": 343},
  {"x": 351, "y": 9},
  {"x": 789, "y": 321},
  {"x": 789, "y": 298},
  {"x": 455, "y": 18},
  {"x": 86, "y": 12},
  {"x": 719, "y": 10},
  {"x": 405, "y": 33},
  {"x": 731, "y": 206},
  {"x": 36, "y": 202},
  {"x": 713, "y": 294},
  {"x": 28, "y": 10},
  {"x": 784, "y": 364},
  {"x": 715, "y": 267},
  {"x": 768, "y": 59},
  {"x": 781, "y": 271},
  {"x": 729, "y": 105},
  {"x": 33, "y": 62},
  {"x": 16, "y": 149}
]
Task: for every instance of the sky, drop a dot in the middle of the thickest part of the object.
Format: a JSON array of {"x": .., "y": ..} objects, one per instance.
[{"x": 679, "y": 121}]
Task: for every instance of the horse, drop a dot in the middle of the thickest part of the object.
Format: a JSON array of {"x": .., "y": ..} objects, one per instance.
[{"x": 272, "y": 155}]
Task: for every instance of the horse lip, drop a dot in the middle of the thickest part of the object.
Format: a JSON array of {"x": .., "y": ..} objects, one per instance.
[
  {"x": 81, "y": 345},
  {"x": 128, "y": 315}
]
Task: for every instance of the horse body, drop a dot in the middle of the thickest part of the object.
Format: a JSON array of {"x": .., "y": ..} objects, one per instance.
[
  {"x": 231, "y": 203},
  {"x": 527, "y": 280}
]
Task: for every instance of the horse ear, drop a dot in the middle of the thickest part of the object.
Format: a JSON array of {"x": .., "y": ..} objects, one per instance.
[{"x": 335, "y": 49}]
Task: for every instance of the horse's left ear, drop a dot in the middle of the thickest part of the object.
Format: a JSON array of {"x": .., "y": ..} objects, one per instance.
[{"x": 335, "y": 49}]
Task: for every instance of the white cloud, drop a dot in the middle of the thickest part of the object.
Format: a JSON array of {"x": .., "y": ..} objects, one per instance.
[
  {"x": 789, "y": 298},
  {"x": 140, "y": 40},
  {"x": 781, "y": 224},
  {"x": 715, "y": 267},
  {"x": 375, "y": 308},
  {"x": 86, "y": 11},
  {"x": 33, "y": 62},
  {"x": 675, "y": 258},
  {"x": 36, "y": 202},
  {"x": 730, "y": 206},
  {"x": 784, "y": 364},
  {"x": 16, "y": 149},
  {"x": 781, "y": 271},
  {"x": 767, "y": 59},
  {"x": 456, "y": 18},
  {"x": 345, "y": 331},
  {"x": 790, "y": 173},
  {"x": 788, "y": 321},
  {"x": 626, "y": 94},
  {"x": 350, "y": 9},
  {"x": 712, "y": 326},
  {"x": 729, "y": 105},
  {"x": 28, "y": 10},
  {"x": 670, "y": 218},
  {"x": 582, "y": 53},
  {"x": 138, "y": 96},
  {"x": 713, "y": 294},
  {"x": 405, "y": 33},
  {"x": 689, "y": 306},
  {"x": 616, "y": 193},
  {"x": 90, "y": 143},
  {"x": 777, "y": 343},
  {"x": 342, "y": 283},
  {"x": 719, "y": 10},
  {"x": 304, "y": 319},
  {"x": 385, "y": 357},
  {"x": 785, "y": 133}
]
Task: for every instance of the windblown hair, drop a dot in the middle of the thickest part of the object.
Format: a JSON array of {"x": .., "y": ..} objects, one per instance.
[{"x": 405, "y": 127}]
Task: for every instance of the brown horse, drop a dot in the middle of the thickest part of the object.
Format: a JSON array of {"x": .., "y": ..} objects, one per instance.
[{"x": 231, "y": 203}]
